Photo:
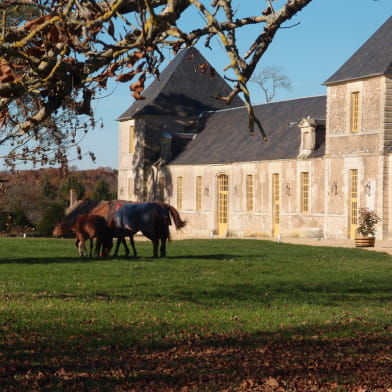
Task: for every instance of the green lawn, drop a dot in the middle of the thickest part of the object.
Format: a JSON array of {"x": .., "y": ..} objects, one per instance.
[{"x": 248, "y": 292}]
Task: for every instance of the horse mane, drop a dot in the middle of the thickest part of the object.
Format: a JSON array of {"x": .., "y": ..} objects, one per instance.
[{"x": 81, "y": 207}]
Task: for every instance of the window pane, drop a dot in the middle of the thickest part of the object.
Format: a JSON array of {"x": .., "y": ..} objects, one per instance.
[
  {"x": 249, "y": 193},
  {"x": 199, "y": 193},
  {"x": 355, "y": 112},
  {"x": 305, "y": 192},
  {"x": 179, "y": 193}
]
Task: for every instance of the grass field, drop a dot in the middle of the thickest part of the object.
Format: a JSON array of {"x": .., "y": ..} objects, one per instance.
[{"x": 215, "y": 315}]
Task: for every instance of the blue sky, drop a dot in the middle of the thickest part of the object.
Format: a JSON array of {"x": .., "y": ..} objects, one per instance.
[{"x": 328, "y": 33}]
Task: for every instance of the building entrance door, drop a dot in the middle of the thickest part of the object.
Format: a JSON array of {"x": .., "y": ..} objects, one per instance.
[{"x": 353, "y": 208}]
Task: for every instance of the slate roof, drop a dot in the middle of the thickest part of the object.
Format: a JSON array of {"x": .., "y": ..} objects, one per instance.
[
  {"x": 225, "y": 136},
  {"x": 373, "y": 58},
  {"x": 183, "y": 89}
]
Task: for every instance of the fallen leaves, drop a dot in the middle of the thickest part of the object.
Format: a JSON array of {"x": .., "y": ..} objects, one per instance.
[
  {"x": 6, "y": 72},
  {"x": 225, "y": 363}
]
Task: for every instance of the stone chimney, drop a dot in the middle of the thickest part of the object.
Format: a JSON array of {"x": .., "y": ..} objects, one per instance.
[{"x": 72, "y": 197}]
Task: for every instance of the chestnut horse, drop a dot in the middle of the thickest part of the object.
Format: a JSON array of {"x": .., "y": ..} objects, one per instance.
[
  {"x": 88, "y": 227},
  {"x": 105, "y": 209},
  {"x": 64, "y": 225},
  {"x": 151, "y": 218}
]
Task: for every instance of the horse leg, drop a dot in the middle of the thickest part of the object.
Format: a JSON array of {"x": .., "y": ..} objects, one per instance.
[
  {"x": 155, "y": 244},
  {"x": 98, "y": 246},
  {"x": 82, "y": 248},
  {"x": 163, "y": 246},
  {"x": 119, "y": 241},
  {"x": 91, "y": 247},
  {"x": 124, "y": 242},
  {"x": 79, "y": 243},
  {"x": 132, "y": 242}
]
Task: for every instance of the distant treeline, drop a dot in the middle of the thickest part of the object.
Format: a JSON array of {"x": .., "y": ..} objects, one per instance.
[{"x": 31, "y": 201}]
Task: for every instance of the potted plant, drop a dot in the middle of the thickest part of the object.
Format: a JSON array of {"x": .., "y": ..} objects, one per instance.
[{"x": 366, "y": 230}]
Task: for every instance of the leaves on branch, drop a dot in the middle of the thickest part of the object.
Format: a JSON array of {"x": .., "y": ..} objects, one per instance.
[
  {"x": 129, "y": 75},
  {"x": 138, "y": 87},
  {"x": 85, "y": 106},
  {"x": 203, "y": 67},
  {"x": 3, "y": 116},
  {"x": 6, "y": 72}
]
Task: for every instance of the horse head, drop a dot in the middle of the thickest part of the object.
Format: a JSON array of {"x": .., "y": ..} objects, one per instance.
[{"x": 59, "y": 229}]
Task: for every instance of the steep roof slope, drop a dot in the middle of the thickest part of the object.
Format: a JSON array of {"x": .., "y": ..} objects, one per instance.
[
  {"x": 225, "y": 137},
  {"x": 373, "y": 58},
  {"x": 185, "y": 88}
]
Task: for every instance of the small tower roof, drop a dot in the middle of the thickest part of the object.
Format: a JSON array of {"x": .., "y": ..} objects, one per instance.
[
  {"x": 373, "y": 58},
  {"x": 184, "y": 88}
]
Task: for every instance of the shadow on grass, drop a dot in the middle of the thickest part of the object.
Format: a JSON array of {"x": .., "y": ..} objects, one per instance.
[
  {"x": 289, "y": 292},
  {"x": 76, "y": 259},
  {"x": 292, "y": 359}
]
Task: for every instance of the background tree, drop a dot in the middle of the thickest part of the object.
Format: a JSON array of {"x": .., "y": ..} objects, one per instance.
[
  {"x": 49, "y": 191},
  {"x": 49, "y": 217},
  {"x": 19, "y": 221},
  {"x": 102, "y": 191},
  {"x": 271, "y": 79},
  {"x": 73, "y": 182},
  {"x": 52, "y": 66}
]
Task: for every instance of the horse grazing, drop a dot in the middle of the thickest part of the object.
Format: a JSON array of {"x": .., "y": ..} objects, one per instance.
[
  {"x": 88, "y": 227},
  {"x": 107, "y": 209},
  {"x": 82, "y": 207},
  {"x": 86, "y": 207},
  {"x": 152, "y": 219}
]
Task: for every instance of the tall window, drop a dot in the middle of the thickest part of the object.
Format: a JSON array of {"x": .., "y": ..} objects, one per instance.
[
  {"x": 276, "y": 204},
  {"x": 132, "y": 139},
  {"x": 179, "y": 193},
  {"x": 304, "y": 192},
  {"x": 249, "y": 193},
  {"x": 199, "y": 193},
  {"x": 355, "y": 112}
]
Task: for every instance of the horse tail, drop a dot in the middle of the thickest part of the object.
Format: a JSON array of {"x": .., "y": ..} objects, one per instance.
[{"x": 178, "y": 222}]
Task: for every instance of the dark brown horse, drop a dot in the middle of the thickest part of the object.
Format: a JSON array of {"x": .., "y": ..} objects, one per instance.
[
  {"x": 152, "y": 219},
  {"x": 90, "y": 227}
]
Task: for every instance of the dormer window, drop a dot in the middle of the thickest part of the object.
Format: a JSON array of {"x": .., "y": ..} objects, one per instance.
[{"x": 308, "y": 137}]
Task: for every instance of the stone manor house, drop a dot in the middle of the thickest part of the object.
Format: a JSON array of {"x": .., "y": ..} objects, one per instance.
[{"x": 325, "y": 157}]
